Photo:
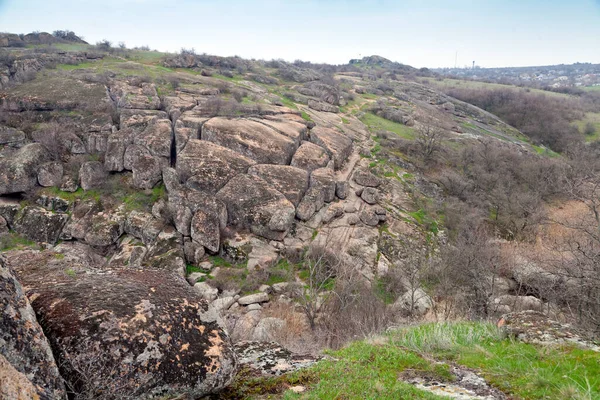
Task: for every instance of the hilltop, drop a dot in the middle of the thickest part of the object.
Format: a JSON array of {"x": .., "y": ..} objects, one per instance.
[{"x": 163, "y": 216}]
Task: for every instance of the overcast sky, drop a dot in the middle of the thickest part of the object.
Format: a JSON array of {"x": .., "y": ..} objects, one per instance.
[{"x": 493, "y": 33}]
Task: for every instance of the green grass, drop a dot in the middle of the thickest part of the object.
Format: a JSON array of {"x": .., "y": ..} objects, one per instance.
[
  {"x": 520, "y": 369},
  {"x": 14, "y": 241},
  {"x": 218, "y": 261},
  {"x": 369, "y": 371},
  {"x": 305, "y": 116},
  {"x": 79, "y": 194},
  {"x": 372, "y": 369},
  {"x": 376, "y": 123},
  {"x": 448, "y": 83},
  {"x": 594, "y": 119}
]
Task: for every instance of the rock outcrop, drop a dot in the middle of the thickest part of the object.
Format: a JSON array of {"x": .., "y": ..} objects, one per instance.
[
  {"x": 206, "y": 166},
  {"x": 290, "y": 181},
  {"x": 252, "y": 139},
  {"x": 338, "y": 146},
  {"x": 253, "y": 204},
  {"x": 27, "y": 367}
]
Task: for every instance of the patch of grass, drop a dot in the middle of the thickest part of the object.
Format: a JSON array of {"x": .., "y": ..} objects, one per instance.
[
  {"x": 247, "y": 386},
  {"x": 305, "y": 116},
  {"x": 59, "y": 256},
  {"x": 425, "y": 220},
  {"x": 594, "y": 120},
  {"x": 219, "y": 261},
  {"x": 376, "y": 123},
  {"x": 79, "y": 194},
  {"x": 345, "y": 120},
  {"x": 290, "y": 104},
  {"x": 14, "y": 241},
  {"x": 369, "y": 371},
  {"x": 70, "y": 272},
  {"x": 520, "y": 369}
]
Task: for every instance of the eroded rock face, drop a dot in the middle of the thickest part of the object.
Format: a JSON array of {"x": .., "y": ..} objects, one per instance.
[
  {"x": 205, "y": 166},
  {"x": 252, "y": 139},
  {"x": 338, "y": 146},
  {"x": 27, "y": 366},
  {"x": 252, "y": 203},
  {"x": 139, "y": 334},
  {"x": 290, "y": 181},
  {"x": 19, "y": 172}
]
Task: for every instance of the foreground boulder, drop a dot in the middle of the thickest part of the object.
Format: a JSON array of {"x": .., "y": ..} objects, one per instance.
[
  {"x": 252, "y": 203},
  {"x": 27, "y": 366},
  {"x": 128, "y": 333}
]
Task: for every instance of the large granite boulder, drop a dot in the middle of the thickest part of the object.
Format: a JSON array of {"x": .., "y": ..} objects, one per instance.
[
  {"x": 39, "y": 224},
  {"x": 252, "y": 139},
  {"x": 92, "y": 175},
  {"x": 50, "y": 174},
  {"x": 338, "y": 146},
  {"x": 309, "y": 157},
  {"x": 27, "y": 367},
  {"x": 290, "y": 181},
  {"x": 252, "y": 203},
  {"x": 19, "y": 172},
  {"x": 129, "y": 333},
  {"x": 146, "y": 171},
  {"x": 156, "y": 138},
  {"x": 205, "y": 230},
  {"x": 208, "y": 167}
]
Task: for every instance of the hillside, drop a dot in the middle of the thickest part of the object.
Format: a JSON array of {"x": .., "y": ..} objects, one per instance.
[{"x": 160, "y": 213}]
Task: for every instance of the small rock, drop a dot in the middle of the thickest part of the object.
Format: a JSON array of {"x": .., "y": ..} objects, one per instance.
[
  {"x": 194, "y": 277},
  {"x": 353, "y": 219},
  {"x": 342, "y": 189},
  {"x": 366, "y": 178},
  {"x": 370, "y": 195},
  {"x": 254, "y": 307},
  {"x": 206, "y": 291},
  {"x": 264, "y": 288},
  {"x": 68, "y": 185},
  {"x": 253, "y": 298},
  {"x": 280, "y": 287}
]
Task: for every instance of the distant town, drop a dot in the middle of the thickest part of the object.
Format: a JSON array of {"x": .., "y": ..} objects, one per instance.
[{"x": 555, "y": 76}]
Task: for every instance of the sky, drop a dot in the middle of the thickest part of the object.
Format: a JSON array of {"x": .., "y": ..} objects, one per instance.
[{"x": 432, "y": 33}]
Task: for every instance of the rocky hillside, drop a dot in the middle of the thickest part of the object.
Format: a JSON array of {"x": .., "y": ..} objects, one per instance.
[{"x": 155, "y": 207}]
